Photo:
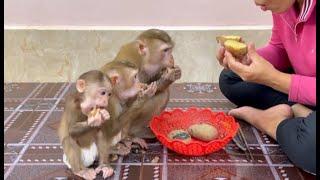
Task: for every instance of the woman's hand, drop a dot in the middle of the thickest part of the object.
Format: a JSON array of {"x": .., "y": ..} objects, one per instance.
[
  {"x": 220, "y": 55},
  {"x": 258, "y": 70}
]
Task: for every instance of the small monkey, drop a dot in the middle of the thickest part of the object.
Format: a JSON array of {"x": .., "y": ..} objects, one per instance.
[
  {"x": 151, "y": 55},
  {"x": 124, "y": 104},
  {"x": 79, "y": 130}
]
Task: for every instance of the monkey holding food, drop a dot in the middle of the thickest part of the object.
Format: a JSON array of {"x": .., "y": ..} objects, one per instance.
[
  {"x": 78, "y": 130},
  {"x": 151, "y": 55},
  {"x": 87, "y": 130},
  {"x": 123, "y": 105}
]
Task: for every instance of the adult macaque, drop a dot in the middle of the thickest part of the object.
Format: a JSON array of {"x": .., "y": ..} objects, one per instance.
[
  {"x": 151, "y": 54},
  {"x": 79, "y": 129}
]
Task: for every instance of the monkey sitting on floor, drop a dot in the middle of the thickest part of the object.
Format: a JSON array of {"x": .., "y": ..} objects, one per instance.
[
  {"x": 79, "y": 129},
  {"x": 85, "y": 135},
  {"x": 151, "y": 55}
]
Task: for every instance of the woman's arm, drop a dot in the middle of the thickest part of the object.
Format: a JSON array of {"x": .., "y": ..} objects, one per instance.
[
  {"x": 274, "y": 51},
  {"x": 301, "y": 89}
]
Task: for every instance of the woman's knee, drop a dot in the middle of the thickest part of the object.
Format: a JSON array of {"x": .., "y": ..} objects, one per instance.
[
  {"x": 297, "y": 138},
  {"x": 227, "y": 79}
]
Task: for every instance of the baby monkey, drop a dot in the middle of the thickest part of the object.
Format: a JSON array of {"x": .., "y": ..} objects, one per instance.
[{"x": 79, "y": 130}]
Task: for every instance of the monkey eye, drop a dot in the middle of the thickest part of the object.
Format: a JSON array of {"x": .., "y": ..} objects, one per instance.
[
  {"x": 103, "y": 93},
  {"x": 166, "y": 50},
  {"x": 109, "y": 94}
]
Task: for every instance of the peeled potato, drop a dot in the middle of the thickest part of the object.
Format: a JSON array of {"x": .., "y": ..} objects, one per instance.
[
  {"x": 236, "y": 48},
  {"x": 223, "y": 38},
  {"x": 94, "y": 112},
  {"x": 203, "y": 132},
  {"x": 180, "y": 134}
]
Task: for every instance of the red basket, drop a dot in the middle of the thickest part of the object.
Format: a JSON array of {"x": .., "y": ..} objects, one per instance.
[{"x": 177, "y": 119}]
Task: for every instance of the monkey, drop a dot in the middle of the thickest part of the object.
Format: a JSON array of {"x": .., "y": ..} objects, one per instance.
[
  {"x": 124, "y": 76},
  {"x": 78, "y": 129},
  {"x": 82, "y": 135},
  {"x": 151, "y": 54}
]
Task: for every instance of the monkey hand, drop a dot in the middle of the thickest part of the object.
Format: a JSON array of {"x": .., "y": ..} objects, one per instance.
[
  {"x": 95, "y": 121},
  {"x": 149, "y": 91},
  {"x": 105, "y": 114},
  {"x": 107, "y": 171},
  {"x": 87, "y": 174},
  {"x": 177, "y": 72},
  {"x": 172, "y": 74}
]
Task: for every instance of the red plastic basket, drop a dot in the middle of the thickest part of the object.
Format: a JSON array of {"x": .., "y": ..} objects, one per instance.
[{"x": 177, "y": 119}]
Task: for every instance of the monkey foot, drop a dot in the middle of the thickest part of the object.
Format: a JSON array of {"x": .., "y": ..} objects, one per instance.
[
  {"x": 107, "y": 171},
  {"x": 141, "y": 142},
  {"x": 87, "y": 174},
  {"x": 121, "y": 150},
  {"x": 127, "y": 143}
]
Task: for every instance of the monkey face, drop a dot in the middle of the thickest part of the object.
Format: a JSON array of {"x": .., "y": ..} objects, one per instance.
[
  {"x": 128, "y": 85},
  {"x": 160, "y": 53},
  {"x": 96, "y": 95}
]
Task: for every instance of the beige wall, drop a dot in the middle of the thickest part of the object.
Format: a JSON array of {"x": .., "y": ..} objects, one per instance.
[
  {"x": 133, "y": 13},
  {"x": 62, "y": 55},
  {"x": 74, "y": 36}
]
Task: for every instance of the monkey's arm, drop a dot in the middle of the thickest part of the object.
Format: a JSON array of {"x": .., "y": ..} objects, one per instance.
[
  {"x": 131, "y": 113},
  {"x": 163, "y": 84},
  {"x": 79, "y": 128}
]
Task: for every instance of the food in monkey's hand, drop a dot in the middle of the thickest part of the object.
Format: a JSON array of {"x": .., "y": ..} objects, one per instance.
[
  {"x": 203, "y": 132},
  {"x": 180, "y": 134},
  {"x": 94, "y": 112},
  {"x": 223, "y": 38},
  {"x": 237, "y": 49}
]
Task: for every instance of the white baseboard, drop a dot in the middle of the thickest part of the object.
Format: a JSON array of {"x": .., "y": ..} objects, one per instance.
[{"x": 173, "y": 28}]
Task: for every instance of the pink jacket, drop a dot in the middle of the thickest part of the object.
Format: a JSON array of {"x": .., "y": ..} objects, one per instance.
[{"x": 293, "y": 45}]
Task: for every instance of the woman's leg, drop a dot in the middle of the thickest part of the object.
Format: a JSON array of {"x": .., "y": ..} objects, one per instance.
[
  {"x": 297, "y": 138},
  {"x": 244, "y": 93}
]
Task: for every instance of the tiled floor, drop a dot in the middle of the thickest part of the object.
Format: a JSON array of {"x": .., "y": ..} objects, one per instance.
[{"x": 32, "y": 149}]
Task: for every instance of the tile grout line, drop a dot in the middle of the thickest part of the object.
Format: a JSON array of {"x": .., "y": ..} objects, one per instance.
[
  {"x": 154, "y": 164},
  {"x": 165, "y": 163},
  {"x": 263, "y": 148},
  {"x": 118, "y": 168},
  {"x": 56, "y": 144},
  {"x": 34, "y": 134},
  {"x": 21, "y": 104}
]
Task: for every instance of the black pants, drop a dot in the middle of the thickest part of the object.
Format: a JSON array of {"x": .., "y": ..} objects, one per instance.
[{"x": 296, "y": 136}]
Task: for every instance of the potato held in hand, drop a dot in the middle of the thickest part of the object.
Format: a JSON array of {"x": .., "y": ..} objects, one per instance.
[
  {"x": 180, "y": 134},
  {"x": 224, "y": 38},
  {"x": 237, "y": 49},
  {"x": 203, "y": 132},
  {"x": 94, "y": 112}
]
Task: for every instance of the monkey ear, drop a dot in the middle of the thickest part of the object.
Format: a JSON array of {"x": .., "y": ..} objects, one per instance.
[
  {"x": 142, "y": 47},
  {"x": 113, "y": 76},
  {"x": 81, "y": 85}
]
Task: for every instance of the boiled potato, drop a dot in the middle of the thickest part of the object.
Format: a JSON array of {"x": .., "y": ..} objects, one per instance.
[
  {"x": 94, "y": 112},
  {"x": 237, "y": 49},
  {"x": 203, "y": 132},
  {"x": 180, "y": 134},
  {"x": 223, "y": 38}
]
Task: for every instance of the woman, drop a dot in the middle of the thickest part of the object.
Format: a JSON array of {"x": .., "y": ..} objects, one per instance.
[{"x": 282, "y": 73}]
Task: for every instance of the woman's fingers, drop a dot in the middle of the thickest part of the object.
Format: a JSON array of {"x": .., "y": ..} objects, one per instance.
[
  {"x": 234, "y": 65},
  {"x": 220, "y": 55}
]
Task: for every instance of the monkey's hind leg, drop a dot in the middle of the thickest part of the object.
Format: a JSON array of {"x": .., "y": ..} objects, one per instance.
[
  {"x": 72, "y": 158},
  {"x": 104, "y": 152}
]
